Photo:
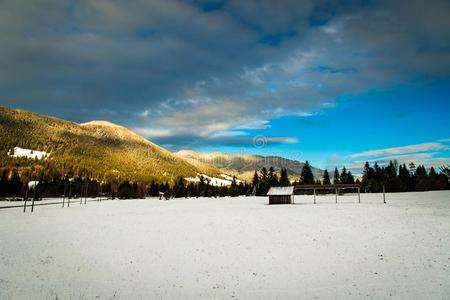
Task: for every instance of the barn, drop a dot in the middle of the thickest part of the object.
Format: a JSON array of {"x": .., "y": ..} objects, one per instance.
[{"x": 281, "y": 194}]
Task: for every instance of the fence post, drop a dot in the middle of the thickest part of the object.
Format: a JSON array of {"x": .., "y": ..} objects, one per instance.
[
  {"x": 384, "y": 195},
  {"x": 336, "y": 190},
  {"x": 34, "y": 196},
  {"x": 314, "y": 196},
  {"x": 25, "y": 199},
  {"x": 81, "y": 193},
  {"x": 85, "y": 191},
  {"x": 70, "y": 193},
  {"x": 64, "y": 195},
  {"x": 359, "y": 195}
]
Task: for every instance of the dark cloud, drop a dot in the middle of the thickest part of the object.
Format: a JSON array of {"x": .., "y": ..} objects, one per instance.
[{"x": 188, "y": 70}]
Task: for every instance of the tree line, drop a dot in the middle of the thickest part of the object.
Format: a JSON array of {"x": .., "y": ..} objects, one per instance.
[
  {"x": 393, "y": 177},
  {"x": 400, "y": 178}
]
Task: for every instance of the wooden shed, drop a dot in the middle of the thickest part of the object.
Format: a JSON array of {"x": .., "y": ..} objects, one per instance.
[{"x": 281, "y": 194}]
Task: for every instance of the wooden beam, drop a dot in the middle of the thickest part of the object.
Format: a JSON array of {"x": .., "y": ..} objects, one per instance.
[{"x": 326, "y": 186}]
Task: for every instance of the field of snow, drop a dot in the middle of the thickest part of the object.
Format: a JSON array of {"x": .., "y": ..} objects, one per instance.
[{"x": 229, "y": 248}]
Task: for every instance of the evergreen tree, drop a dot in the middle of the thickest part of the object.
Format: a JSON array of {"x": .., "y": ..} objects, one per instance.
[
  {"x": 153, "y": 190},
  {"x": 326, "y": 178},
  {"x": 421, "y": 179},
  {"x": 350, "y": 178},
  {"x": 201, "y": 187},
  {"x": 124, "y": 191},
  {"x": 378, "y": 179},
  {"x": 306, "y": 175},
  {"x": 284, "y": 180},
  {"x": 336, "y": 177},
  {"x": 343, "y": 177},
  {"x": 263, "y": 185},
  {"x": 233, "y": 190},
  {"x": 404, "y": 179},
  {"x": 367, "y": 178},
  {"x": 272, "y": 177},
  {"x": 179, "y": 189},
  {"x": 4, "y": 184},
  {"x": 15, "y": 185},
  {"x": 255, "y": 183}
]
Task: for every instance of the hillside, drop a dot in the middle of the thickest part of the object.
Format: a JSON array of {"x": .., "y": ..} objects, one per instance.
[
  {"x": 98, "y": 149},
  {"x": 243, "y": 166}
]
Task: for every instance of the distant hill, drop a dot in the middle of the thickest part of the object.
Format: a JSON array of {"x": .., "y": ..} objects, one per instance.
[
  {"x": 107, "y": 151},
  {"x": 243, "y": 166},
  {"x": 98, "y": 149}
]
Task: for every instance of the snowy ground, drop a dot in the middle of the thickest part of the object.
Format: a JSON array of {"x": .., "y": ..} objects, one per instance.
[{"x": 230, "y": 248}]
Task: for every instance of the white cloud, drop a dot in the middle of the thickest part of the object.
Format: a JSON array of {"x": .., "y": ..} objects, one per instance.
[
  {"x": 402, "y": 150},
  {"x": 153, "y": 133},
  {"x": 169, "y": 68}
]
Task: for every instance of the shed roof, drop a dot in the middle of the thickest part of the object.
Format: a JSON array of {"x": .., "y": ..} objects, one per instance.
[{"x": 281, "y": 190}]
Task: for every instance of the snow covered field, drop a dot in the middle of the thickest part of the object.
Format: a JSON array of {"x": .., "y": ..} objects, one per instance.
[{"x": 230, "y": 248}]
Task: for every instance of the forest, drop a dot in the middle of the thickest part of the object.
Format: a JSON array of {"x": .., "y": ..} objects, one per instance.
[{"x": 394, "y": 178}]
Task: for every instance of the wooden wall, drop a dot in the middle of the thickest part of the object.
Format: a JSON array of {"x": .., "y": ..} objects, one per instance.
[{"x": 280, "y": 199}]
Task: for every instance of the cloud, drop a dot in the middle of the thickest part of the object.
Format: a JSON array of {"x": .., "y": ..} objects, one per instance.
[
  {"x": 402, "y": 150},
  {"x": 431, "y": 154},
  {"x": 198, "y": 68},
  {"x": 255, "y": 143}
]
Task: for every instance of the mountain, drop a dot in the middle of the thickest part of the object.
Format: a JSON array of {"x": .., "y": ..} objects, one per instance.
[
  {"x": 244, "y": 166},
  {"x": 98, "y": 149}
]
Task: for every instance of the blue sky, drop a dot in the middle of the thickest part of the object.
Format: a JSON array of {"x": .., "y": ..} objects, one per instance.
[
  {"x": 335, "y": 82},
  {"x": 391, "y": 118}
]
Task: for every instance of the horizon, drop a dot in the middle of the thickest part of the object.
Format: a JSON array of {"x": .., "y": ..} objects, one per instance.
[{"x": 335, "y": 83}]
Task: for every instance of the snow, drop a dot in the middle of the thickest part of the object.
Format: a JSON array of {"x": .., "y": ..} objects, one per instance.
[
  {"x": 237, "y": 248},
  {"x": 281, "y": 190},
  {"x": 230, "y": 178},
  {"x": 28, "y": 153},
  {"x": 214, "y": 181}
]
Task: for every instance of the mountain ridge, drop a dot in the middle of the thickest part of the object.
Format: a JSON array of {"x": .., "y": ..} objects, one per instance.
[
  {"x": 97, "y": 149},
  {"x": 244, "y": 165}
]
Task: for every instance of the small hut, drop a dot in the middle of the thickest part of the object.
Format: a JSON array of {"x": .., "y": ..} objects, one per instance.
[{"x": 280, "y": 194}]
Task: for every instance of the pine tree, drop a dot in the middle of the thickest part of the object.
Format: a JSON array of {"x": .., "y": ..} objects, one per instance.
[
  {"x": 336, "y": 177},
  {"x": 233, "y": 190},
  {"x": 153, "y": 189},
  {"x": 179, "y": 189},
  {"x": 263, "y": 185},
  {"x": 123, "y": 192},
  {"x": 272, "y": 177},
  {"x": 326, "y": 178},
  {"x": 306, "y": 175},
  {"x": 15, "y": 184},
  {"x": 350, "y": 178},
  {"x": 284, "y": 180},
  {"x": 343, "y": 177},
  {"x": 367, "y": 178},
  {"x": 404, "y": 178},
  {"x": 255, "y": 182},
  {"x": 4, "y": 184},
  {"x": 421, "y": 179}
]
